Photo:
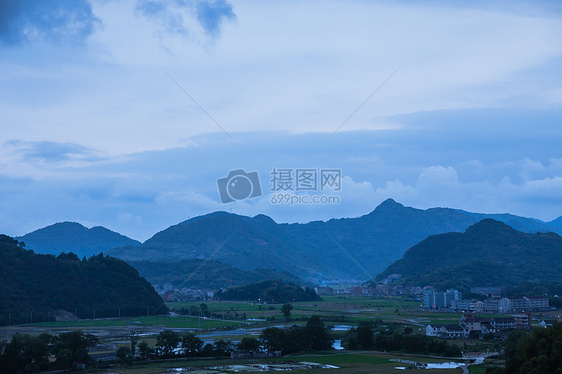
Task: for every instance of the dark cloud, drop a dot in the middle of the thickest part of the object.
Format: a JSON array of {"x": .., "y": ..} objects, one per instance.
[
  {"x": 54, "y": 20},
  {"x": 210, "y": 15},
  {"x": 168, "y": 13},
  {"x": 47, "y": 151}
]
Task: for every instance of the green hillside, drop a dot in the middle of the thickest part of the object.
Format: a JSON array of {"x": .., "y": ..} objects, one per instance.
[
  {"x": 487, "y": 253},
  {"x": 33, "y": 285},
  {"x": 206, "y": 274}
]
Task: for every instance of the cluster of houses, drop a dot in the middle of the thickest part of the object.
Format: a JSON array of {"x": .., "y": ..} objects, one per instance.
[
  {"x": 378, "y": 290},
  {"x": 169, "y": 293},
  {"x": 452, "y": 299},
  {"x": 471, "y": 325}
]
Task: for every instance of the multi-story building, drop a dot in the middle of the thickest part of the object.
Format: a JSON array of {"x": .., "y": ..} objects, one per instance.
[
  {"x": 452, "y": 295},
  {"x": 522, "y": 304},
  {"x": 476, "y": 306},
  {"x": 492, "y": 305},
  {"x": 504, "y": 305},
  {"x": 461, "y": 304},
  {"x": 519, "y": 303},
  {"x": 537, "y": 302},
  {"x": 437, "y": 300}
]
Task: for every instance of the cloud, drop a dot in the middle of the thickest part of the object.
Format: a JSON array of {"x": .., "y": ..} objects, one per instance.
[
  {"x": 211, "y": 14},
  {"x": 54, "y": 20},
  {"x": 437, "y": 176},
  {"x": 52, "y": 152},
  {"x": 175, "y": 16}
]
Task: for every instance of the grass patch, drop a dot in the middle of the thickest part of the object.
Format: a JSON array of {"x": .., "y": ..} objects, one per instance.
[{"x": 164, "y": 321}]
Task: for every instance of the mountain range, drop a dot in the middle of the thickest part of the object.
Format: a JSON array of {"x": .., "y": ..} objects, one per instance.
[
  {"x": 342, "y": 249},
  {"x": 488, "y": 253},
  {"x": 338, "y": 249}
]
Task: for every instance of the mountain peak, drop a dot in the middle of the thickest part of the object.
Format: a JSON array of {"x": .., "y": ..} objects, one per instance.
[
  {"x": 263, "y": 218},
  {"x": 76, "y": 238},
  {"x": 488, "y": 224},
  {"x": 68, "y": 225},
  {"x": 388, "y": 204}
]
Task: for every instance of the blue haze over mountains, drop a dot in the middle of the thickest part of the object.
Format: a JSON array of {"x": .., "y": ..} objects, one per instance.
[{"x": 315, "y": 251}]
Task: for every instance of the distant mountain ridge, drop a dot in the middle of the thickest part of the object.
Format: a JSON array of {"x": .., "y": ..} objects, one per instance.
[
  {"x": 488, "y": 253},
  {"x": 343, "y": 249},
  {"x": 73, "y": 237}
]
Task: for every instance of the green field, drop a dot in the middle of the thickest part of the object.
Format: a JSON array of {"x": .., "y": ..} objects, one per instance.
[
  {"x": 163, "y": 321},
  {"x": 349, "y": 362},
  {"x": 348, "y": 309},
  {"x": 395, "y": 313}
]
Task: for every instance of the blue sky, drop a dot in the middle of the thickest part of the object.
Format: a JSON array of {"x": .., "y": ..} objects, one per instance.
[{"x": 93, "y": 129}]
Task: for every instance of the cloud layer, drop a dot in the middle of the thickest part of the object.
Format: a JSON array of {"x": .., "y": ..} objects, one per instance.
[
  {"x": 141, "y": 193},
  {"x": 54, "y": 20},
  {"x": 94, "y": 131}
]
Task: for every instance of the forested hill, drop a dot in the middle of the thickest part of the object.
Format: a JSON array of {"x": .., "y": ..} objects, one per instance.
[
  {"x": 270, "y": 291},
  {"x": 32, "y": 285},
  {"x": 75, "y": 238},
  {"x": 206, "y": 274},
  {"x": 487, "y": 253}
]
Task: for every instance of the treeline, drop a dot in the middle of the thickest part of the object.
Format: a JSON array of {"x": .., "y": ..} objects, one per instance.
[
  {"x": 368, "y": 336},
  {"x": 269, "y": 291},
  {"x": 539, "y": 352},
  {"x": 314, "y": 336},
  {"x": 34, "y": 286},
  {"x": 534, "y": 288},
  {"x": 32, "y": 354}
]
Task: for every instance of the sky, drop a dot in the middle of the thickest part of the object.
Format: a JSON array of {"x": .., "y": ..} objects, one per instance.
[{"x": 139, "y": 114}]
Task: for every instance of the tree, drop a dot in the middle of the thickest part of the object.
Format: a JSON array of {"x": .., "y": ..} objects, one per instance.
[
  {"x": 36, "y": 352},
  {"x": 286, "y": 310},
  {"x": 207, "y": 350},
  {"x": 249, "y": 345},
  {"x": 365, "y": 337},
  {"x": 223, "y": 347},
  {"x": 64, "y": 358},
  {"x": 318, "y": 335},
  {"x": 191, "y": 344},
  {"x": 166, "y": 342},
  {"x": 12, "y": 360},
  {"x": 123, "y": 353},
  {"x": 539, "y": 352},
  {"x": 144, "y": 350},
  {"x": 134, "y": 340},
  {"x": 77, "y": 343},
  {"x": 273, "y": 339}
]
